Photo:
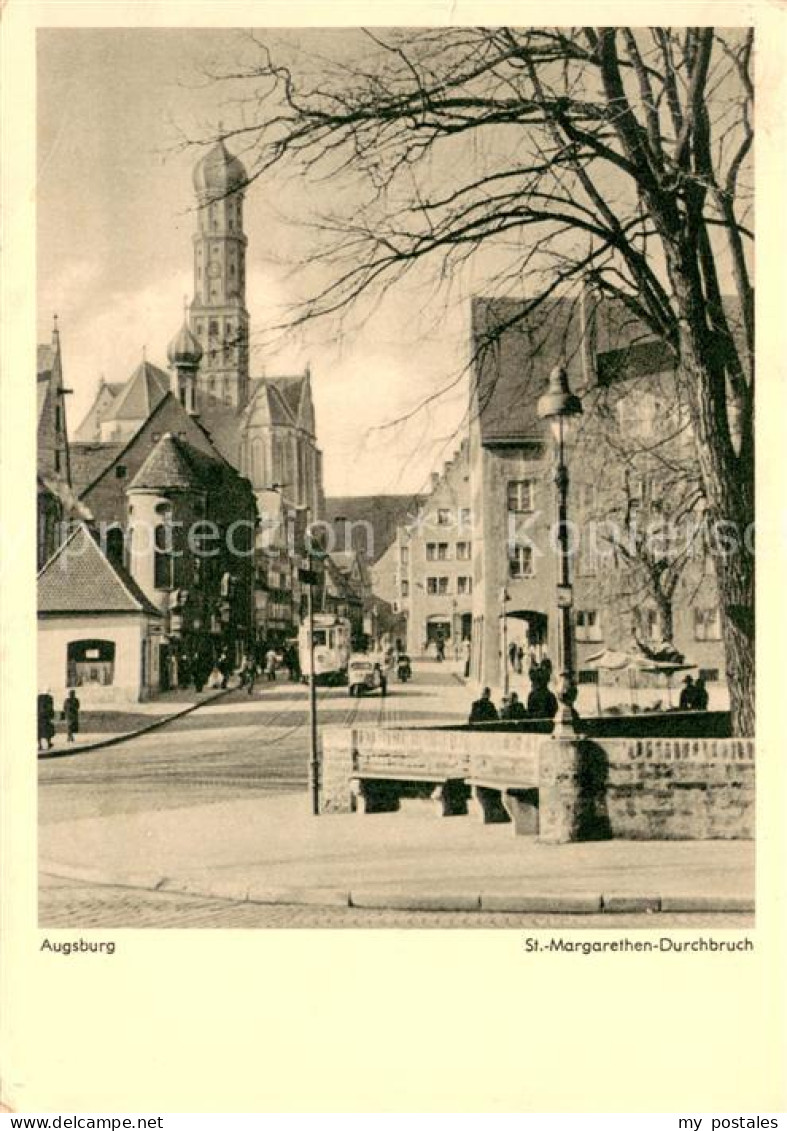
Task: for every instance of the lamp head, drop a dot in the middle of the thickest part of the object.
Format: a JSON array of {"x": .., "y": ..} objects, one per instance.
[{"x": 558, "y": 401}]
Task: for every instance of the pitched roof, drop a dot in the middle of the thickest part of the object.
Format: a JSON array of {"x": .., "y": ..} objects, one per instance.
[
  {"x": 290, "y": 390},
  {"x": 88, "y": 460},
  {"x": 79, "y": 578},
  {"x": 145, "y": 389},
  {"x": 372, "y": 519},
  {"x": 222, "y": 424},
  {"x": 516, "y": 344},
  {"x": 106, "y": 393},
  {"x": 173, "y": 463},
  {"x": 42, "y": 388},
  {"x": 45, "y": 358},
  {"x": 639, "y": 359}
]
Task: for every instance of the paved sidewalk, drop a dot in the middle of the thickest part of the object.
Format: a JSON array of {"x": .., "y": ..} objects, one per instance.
[
  {"x": 112, "y": 724},
  {"x": 272, "y": 850}
]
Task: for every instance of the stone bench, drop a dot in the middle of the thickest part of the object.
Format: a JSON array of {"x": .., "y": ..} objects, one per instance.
[
  {"x": 382, "y": 791},
  {"x": 505, "y": 789},
  {"x": 500, "y": 802}
]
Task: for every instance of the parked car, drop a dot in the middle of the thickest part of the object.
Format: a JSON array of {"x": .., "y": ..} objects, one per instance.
[{"x": 365, "y": 673}]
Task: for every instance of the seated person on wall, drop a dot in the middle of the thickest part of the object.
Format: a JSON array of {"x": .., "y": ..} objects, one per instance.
[
  {"x": 483, "y": 710},
  {"x": 541, "y": 702},
  {"x": 513, "y": 708}
]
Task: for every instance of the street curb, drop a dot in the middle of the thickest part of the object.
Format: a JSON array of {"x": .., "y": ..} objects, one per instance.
[
  {"x": 115, "y": 739},
  {"x": 383, "y": 898},
  {"x": 386, "y": 900},
  {"x": 569, "y": 903}
]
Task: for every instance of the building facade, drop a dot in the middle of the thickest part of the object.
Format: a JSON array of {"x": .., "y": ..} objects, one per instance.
[
  {"x": 427, "y": 573},
  {"x": 262, "y": 427},
  {"x": 631, "y": 470}
]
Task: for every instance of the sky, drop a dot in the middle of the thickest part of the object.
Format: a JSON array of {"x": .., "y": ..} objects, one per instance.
[{"x": 115, "y": 218}]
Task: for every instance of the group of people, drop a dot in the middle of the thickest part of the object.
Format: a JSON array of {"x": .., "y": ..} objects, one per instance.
[
  {"x": 694, "y": 696},
  {"x": 541, "y": 704},
  {"x": 267, "y": 661},
  {"x": 46, "y": 718}
]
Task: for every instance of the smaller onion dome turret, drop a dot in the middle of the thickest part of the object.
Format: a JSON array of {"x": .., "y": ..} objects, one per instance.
[{"x": 184, "y": 349}]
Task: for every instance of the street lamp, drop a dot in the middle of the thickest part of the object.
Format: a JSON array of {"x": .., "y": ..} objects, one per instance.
[
  {"x": 560, "y": 407},
  {"x": 504, "y": 599},
  {"x": 309, "y": 577}
]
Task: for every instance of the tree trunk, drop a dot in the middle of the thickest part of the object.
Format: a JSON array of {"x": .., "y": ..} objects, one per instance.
[
  {"x": 728, "y": 484},
  {"x": 735, "y": 579}
]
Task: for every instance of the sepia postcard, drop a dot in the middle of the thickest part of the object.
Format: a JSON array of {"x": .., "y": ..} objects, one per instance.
[{"x": 400, "y": 597}]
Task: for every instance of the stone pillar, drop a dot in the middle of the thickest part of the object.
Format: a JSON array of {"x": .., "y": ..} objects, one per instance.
[
  {"x": 572, "y": 791},
  {"x": 337, "y": 770}
]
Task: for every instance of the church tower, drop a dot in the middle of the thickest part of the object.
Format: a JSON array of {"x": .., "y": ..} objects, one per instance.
[{"x": 218, "y": 315}]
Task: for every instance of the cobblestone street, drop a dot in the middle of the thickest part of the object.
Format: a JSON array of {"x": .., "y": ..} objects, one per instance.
[{"x": 64, "y": 903}]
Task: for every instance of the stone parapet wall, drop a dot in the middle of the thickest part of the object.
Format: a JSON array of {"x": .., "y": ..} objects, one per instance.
[
  {"x": 634, "y": 789},
  {"x": 680, "y": 789}
]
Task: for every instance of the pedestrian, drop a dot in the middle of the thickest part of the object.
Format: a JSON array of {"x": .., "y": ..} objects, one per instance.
[
  {"x": 687, "y": 701},
  {"x": 71, "y": 714},
  {"x": 700, "y": 695},
  {"x": 225, "y": 668},
  {"x": 512, "y": 655},
  {"x": 483, "y": 709},
  {"x": 383, "y": 680},
  {"x": 440, "y": 648},
  {"x": 466, "y": 650},
  {"x": 248, "y": 674},
  {"x": 270, "y": 665},
  {"x": 541, "y": 702},
  {"x": 520, "y": 655},
  {"x": 46, "y": 719},
  {"x": 514, "y": 709}
]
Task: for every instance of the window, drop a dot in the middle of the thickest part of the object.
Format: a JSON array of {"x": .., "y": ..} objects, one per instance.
[
  {"x": 443, "y": 518},
  {"x": 90, "y": 662},
  {"x": 115, "y": 548},
  {"x": 464, "y": 585},
  {"x": 405, "y": 588},
  {"x": 463, "y": 551},
  {"x": 707, "y": 624},
  {"x": 213, "y": 327},
  {"x": 521, "y": 493},
  {"x": 163, "y": 559},
  {"x": 437, "y": 586},
  {"x": 520, "y": 562},
  {"x": 588, "y": 625},
  {"x": 442, "y": 551},
  {"x": 57, "y": 462},
  {"x": 464, "y": 517},
  {"x": 404, "y": 555},
  {"x": 587, "y": 675},
  {"x": 121, "y": 471},
  {"x": 442, "y": 585},
  {"x": 431, "y": 551}
]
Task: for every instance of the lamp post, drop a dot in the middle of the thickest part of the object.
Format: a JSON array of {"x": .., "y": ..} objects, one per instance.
[
  {"x": 560, "y": 407},
  {"x": 309, "y": 578},
  {"x": 504, "y": 598}
]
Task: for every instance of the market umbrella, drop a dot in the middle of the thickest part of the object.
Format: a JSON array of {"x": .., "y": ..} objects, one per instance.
[{"x": 614, "y": 660}]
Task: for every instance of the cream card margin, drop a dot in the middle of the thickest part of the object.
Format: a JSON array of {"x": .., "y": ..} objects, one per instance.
[{"x": 443, "y": 1021}]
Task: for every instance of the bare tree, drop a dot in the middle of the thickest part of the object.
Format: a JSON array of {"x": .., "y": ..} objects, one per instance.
[
  {"x": 643, "y": 510},
  {"x": 618, "y": 155}
]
